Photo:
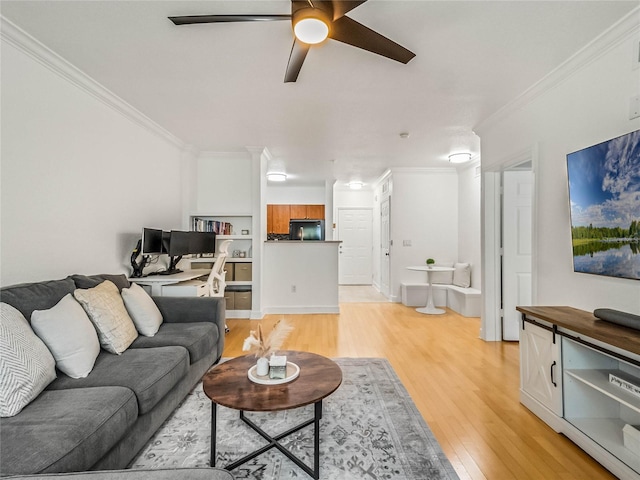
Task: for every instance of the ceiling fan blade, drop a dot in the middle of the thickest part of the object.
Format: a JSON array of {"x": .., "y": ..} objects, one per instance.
[
  {"x": 191, "y": 19},
  {"x": 342, "y": 7},
  {"x": 349, "y": 31},
  {"x": 296, "y": 59}
]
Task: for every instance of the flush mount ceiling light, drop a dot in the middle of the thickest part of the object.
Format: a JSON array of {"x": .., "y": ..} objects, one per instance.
[
  {"x": 311, "y": 26},
  {"x": 459, "y": 157},
  {"x": 355, "y": 185},
  {"x": 276, "y": 177}
]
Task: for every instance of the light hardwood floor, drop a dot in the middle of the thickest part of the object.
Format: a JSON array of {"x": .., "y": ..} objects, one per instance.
[{"x": 466, "y": 389}]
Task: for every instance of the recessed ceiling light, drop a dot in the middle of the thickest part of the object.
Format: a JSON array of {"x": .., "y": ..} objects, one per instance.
[{"x": 459, "y": 157}]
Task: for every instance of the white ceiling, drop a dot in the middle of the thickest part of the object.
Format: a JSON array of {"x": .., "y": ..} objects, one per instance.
[{"x": 219, "y": 87}]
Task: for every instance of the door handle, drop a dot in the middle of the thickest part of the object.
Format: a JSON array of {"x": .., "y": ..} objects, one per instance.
[{"x": 552, "y": 374}]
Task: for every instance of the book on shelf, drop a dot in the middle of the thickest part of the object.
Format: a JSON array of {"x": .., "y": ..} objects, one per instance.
[{"x": 215, "y": 226}]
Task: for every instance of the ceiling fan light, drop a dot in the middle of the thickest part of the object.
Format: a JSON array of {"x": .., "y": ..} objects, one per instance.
[
  {"x": 311, "y": 30},
  {"x": 276, "y": 177},
  {"x": 459, "y": 157}
]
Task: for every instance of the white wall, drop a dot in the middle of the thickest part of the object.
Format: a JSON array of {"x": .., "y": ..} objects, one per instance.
[
  {"x": 225, "y": 184},
  {"x": 469, "y": 245},
  {"x": 424, "y": 211},
  {"x": 582, "y": 104},
  {"x": 79, "y": 178},
  {"x": 307, "y": 195},
  {"x": 312, "y": 267}
]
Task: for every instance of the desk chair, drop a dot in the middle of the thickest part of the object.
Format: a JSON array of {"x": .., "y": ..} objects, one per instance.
[{"x": 216, "y": 280}]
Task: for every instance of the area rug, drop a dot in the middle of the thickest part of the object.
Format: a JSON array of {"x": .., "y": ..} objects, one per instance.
[{"x": 370, "y": 429}]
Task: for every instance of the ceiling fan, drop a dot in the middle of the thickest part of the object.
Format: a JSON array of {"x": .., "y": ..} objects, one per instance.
[{"x": 313, "y": 21}]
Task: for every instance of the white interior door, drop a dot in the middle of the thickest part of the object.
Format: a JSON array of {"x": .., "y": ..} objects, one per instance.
[
  {"x": 384, "y": 246},
  {"x": 355, "y": 230},
  {"x": 517, "y": 201}
]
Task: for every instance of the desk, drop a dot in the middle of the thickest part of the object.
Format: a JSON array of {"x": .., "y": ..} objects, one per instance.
[
  {"x": 430, "y": 308},
  {"x": 156, "y": 282}
]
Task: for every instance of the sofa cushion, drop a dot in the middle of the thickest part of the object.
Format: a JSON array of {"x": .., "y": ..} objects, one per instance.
[
  {"x": 108, "y": 314},
  {"x": 66, "y": 429},
  {"x": 149, "y": 372},
  {"x": 28, "y": 297},
  {"x": 142, "y": 309},
  {"x": 69, "y": 335},
  {"x": 199, "y": 338},
  {"x": 84, "y": 281},
  {"x": 26, "y": 364}
]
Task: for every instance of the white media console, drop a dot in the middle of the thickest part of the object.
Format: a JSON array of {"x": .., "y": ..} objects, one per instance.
[{"x": 579, "y": 374}]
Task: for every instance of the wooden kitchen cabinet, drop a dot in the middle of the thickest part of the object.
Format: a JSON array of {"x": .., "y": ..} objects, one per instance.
[
  {"x": 279, "y": 221},
  {"x": 315, "y": 212},
  {"x": 278, "y": 216},
  {"x": 298, "y": 211}
]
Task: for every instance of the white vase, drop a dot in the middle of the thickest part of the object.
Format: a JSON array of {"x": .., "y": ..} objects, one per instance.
[{"x": 262, "y": 367}]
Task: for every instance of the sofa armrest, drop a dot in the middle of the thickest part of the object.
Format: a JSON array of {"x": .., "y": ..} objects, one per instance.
[{"x": 194, "y": 309}]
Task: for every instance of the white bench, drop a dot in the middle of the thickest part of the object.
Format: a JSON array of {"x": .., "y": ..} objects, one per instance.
[{"x": 466, "y": 301}]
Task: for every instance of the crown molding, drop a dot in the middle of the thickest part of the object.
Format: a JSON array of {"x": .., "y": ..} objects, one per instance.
[
  {"x": 627, "y": 27},
  {"x": 22, "y": 41}
]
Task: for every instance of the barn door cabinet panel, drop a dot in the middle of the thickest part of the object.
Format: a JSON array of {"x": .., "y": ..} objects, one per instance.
[{"x": 595, "y": 367}]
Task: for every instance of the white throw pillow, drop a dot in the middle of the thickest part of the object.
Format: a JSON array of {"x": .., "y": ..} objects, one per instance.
[
  {"x": 70, "y": 336},
  {"x": 462, "y": 275},
  {"x": 26, "y": 365},
  {"x": 142, "y": 309},
  {"x": 108, "y": 314},
  {"x": 442, "y": 278}
]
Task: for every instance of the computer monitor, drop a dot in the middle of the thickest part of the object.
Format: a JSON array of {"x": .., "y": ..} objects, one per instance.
[
  {"x": 151, "y": 241},
  {"x": 179, "y": 245},
  {"x": 203, "y": 242}
]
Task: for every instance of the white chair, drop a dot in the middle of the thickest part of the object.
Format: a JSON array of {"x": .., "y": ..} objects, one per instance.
[{"x": 216, "y": 280}]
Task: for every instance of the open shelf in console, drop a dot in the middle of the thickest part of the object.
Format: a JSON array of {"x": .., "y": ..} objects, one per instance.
[{"x": 594, "y": 405}]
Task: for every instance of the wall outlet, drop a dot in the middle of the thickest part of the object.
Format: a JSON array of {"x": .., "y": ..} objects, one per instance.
[
  {"x": 634, "y": 107},
  {"x": 406, "y": 243},
  {"x": 293, "y": 289}
]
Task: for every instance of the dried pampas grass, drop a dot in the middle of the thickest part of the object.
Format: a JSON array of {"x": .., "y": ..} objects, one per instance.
[{"x": 263, "y": 347}]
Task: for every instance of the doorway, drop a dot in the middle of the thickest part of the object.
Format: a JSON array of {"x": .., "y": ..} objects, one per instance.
[
  {"x": 355, "y": 231},
  {"x": 509, "y": 244}
]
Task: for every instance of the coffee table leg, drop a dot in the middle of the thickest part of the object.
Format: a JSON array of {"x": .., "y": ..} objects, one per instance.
[
  {"x": 316, "y": 439},
  {"x": 214, "y": 408}
]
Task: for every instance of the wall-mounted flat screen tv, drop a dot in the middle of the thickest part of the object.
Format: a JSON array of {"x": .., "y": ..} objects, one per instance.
[{"x": 604, "y": 193}]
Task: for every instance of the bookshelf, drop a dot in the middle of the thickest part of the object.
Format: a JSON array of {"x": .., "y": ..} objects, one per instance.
[{"x": 238, "y": 228}]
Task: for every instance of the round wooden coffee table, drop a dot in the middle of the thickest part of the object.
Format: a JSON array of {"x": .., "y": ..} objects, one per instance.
[{"x": 228, "y": 385}]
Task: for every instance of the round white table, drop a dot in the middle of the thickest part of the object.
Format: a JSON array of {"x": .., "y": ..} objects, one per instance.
[{"x": 430, "y": 308}]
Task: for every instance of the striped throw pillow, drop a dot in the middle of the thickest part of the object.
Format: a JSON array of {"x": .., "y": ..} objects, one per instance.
[{"x": 26, "y": 365}]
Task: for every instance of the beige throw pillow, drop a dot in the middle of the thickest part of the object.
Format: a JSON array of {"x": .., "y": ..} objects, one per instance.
[
  {"x": 26, "y": 365},
  {"x": 462, "y": 275},
  {"x": 108, "y": 314},
  {"x": 143, "y": 310},
  {"x": 70, "y": 336}
]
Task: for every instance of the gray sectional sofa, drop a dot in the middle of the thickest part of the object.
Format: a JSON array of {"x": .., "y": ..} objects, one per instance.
[{"x": 102, "y": 421}]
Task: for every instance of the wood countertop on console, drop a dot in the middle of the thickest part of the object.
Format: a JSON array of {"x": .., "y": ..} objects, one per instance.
[{"x": 585, "y": 323}]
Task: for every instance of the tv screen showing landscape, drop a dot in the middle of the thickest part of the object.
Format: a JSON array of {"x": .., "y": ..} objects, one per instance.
[{"x": 604, "y": 192}]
